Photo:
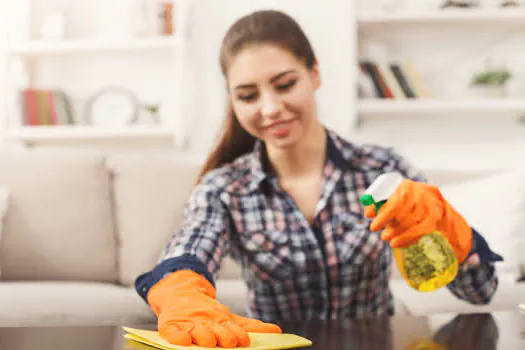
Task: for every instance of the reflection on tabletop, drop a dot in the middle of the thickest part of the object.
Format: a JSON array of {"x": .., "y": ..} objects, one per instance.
[
  {"x": 499, "y": 330},
  {"x": 469, "y": 332},
  {"x": 371, "y": 334},
  {"x": 463, "y": 332},
  {"x": 448, "y": 331}
]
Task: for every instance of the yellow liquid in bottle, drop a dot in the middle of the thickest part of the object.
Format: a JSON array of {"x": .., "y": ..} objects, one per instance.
[
  {"x": 426, "y": 345},
  {"x": 428, "y": 264}
]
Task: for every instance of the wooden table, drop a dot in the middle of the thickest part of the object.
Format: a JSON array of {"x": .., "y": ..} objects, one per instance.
[{"x": 500, "y": 330}]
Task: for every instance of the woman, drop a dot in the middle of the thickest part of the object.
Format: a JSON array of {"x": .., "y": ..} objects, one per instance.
[{"x": 280, "y": 193}]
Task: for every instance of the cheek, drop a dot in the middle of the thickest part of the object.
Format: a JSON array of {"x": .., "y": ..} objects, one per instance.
[
  {"x": 247, "y": 117},
  {"x": 300, "y": 99}
]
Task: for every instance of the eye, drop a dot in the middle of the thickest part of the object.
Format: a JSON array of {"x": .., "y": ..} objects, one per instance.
[
  {"x": 247, "y": 97},
  {"x": 286, "y": 86}
]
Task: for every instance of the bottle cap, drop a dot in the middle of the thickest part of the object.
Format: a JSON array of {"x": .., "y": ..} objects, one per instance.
[{"x": 381, "y": 189}]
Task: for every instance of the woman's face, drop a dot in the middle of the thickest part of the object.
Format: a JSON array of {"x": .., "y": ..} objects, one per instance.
[{"x": 273, "y": 94}]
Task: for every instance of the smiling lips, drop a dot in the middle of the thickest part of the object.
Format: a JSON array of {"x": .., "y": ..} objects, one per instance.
[{"x": 281, "y": 128}]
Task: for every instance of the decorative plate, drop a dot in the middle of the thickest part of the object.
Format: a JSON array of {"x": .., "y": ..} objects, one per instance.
[{"x": 112, "y": 107}]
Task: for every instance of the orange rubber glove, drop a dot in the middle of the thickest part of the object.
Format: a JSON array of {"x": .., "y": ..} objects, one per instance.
[
  {"x": 188, "y": 313},
  {"x": 415, "y": 209}
]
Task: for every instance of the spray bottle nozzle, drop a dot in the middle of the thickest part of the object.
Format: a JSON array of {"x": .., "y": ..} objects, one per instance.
[
  {"x": 368, "y": 200},
  {"x": 382, "y": 188}
]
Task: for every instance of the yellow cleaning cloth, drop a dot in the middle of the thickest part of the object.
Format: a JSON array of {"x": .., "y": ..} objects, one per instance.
[{"x": 259, "y": 341}]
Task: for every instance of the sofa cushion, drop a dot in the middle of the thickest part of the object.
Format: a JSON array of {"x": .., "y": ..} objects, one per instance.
[
  {"x": 150, "y": 192},
  {"x": 508, "y": 296},
  {"x": 495, "y": 206},
  {"x": 233, "y": 294},
  {"x": 66, "y": 303},
  {"x": 59, "y": 225},
  {"x": 230, "y": 270}
]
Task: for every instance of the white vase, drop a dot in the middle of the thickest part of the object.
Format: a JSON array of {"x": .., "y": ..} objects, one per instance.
[
  {"x": 496, "y": 91},
  {"x": 53, "y": 26},
  {"x": 490, "y": 91}
]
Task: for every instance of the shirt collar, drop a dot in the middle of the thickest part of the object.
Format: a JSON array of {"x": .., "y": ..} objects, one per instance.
[
  {"x": 338, "y": 152},
  {"x": 258, "y": 163}
]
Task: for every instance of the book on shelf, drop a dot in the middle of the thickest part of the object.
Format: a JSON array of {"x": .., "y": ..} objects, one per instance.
[
  {"x": 394, "y": 79},
  {"x": 45, "y": 107}
]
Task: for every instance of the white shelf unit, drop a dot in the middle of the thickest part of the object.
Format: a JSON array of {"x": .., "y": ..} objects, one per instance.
[
  {"x": 410, "y": 106},
  {"x": 391, "y": 108},
  {"x": 79, "y": 46},
  {"x": 32, "y": 50},
  {"x": 438, "y": 16},
  {"x": 71, "y": 133}
]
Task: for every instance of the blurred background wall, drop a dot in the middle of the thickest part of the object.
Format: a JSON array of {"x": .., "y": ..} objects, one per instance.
[{"x": 448, "y": 124}]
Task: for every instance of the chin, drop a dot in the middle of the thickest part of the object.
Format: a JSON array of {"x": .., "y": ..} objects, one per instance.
[{"x": 286, "y": 142}]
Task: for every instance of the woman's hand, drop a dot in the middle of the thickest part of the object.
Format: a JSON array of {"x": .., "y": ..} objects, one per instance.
[
  {"x": 188, "y": 313},
  {"x": 415, "y": 209}
]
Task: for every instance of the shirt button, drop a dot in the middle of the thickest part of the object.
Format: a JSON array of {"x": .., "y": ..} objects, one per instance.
[{"x": 268, "y": 245}]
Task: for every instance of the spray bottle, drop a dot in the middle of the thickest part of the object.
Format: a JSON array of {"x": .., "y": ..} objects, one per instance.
[{"x": 427, "y": 264}]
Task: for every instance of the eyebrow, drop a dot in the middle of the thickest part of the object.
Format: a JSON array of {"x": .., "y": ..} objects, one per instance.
[{"x": 274, "y": 78}]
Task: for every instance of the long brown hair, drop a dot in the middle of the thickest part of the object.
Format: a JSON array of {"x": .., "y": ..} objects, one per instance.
[{"x": 259, "y": 27}]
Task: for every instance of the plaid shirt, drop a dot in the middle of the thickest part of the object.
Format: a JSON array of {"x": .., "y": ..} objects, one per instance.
[{"x": 331, "y": 269}]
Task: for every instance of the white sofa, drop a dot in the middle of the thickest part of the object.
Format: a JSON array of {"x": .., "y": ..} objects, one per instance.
[{"x": 80, "y": 226}]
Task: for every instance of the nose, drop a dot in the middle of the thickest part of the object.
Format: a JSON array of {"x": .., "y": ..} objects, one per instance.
[{"x": 270, "y": 105}]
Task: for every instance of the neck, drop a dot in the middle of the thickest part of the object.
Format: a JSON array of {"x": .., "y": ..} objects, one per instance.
[{"x": 305, "y": 158}]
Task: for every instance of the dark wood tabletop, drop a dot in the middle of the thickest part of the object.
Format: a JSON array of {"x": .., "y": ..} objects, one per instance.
[{"x": 496, "y": 331}]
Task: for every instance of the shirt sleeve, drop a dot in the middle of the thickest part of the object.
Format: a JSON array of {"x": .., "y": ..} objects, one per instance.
[
  {"x": 199, "y": 244},
  {"x": 205, "y": 229},
  {"x": 477, "y": 280},
  {"x": 476, "y": 284}
]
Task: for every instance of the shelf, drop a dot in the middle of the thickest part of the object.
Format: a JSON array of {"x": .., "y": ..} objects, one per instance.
[
  {"x": 460, "y": 16},
  {"x": 65, "y": 133},
  {"x": 38, "y": 47},
  {"x": 439, "y": 106}
]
